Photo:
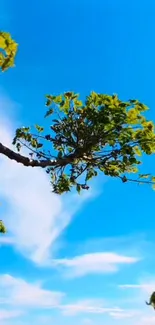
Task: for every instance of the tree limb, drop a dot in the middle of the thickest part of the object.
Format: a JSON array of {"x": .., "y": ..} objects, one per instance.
[{"x": 43, "y": 163}]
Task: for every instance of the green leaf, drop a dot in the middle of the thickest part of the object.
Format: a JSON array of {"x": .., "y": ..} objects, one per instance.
[
  {"x": 18, "y": 146},
  {"x": 65, "y": 106},
  {"x": 58, "y": 99},
  {"x": 3, "y": 229},
  {"x": 78, "y": 103},
  {"x": 68, "y": 95},
  {"x": 78, "y": 188},
  {"x": 49, "y": 112},
  {"x": 133, "y": 170},
  {"x": 60, "y": 155},
  {"x": 25, "y": 129},
  {"x": 48, "y": 102},
  {"x": 133, "y": 160},
  {"x": 90, "y": 174},
  {"x": 125, "y": 159},
  {"x": 145, "y": 176},
  {"x": 138, "y": 152},
  {"x": 39, "y": 128}
]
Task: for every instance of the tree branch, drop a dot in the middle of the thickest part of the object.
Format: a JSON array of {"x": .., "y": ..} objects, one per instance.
[{"x": 43, "y": 163}]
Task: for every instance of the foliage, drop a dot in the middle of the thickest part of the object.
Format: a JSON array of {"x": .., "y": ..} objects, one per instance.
[
  {"x": 2, "y": 227},
  {"x": 151, "y": 300},
  {"x": 101, "y": 134},
  {"x": 8, "y": 50}
]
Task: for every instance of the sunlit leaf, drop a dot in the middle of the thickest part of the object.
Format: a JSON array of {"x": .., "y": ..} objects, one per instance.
[{"x": 8, "y": 50}]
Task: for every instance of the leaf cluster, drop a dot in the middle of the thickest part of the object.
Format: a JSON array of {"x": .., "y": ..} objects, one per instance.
[
  {"x": 100, "y": 134},
  {"x": 2, "y": 227},
  {"x": 8, "y": 50}
]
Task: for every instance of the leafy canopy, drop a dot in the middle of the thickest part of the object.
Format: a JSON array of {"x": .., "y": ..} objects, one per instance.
[{"x": 101, "y": 134}]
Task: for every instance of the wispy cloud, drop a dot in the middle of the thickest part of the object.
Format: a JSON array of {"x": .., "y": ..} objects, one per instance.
[
  {"x": 94, "y": 263},
  {"x": 9, "y": 314},
  {"x": 145, "y": 287},
  {"x": 140, "y": 291},
  {"x": 123, "y": 314},
  {"x": 149, "y": 320},
  {"x": 121, "y": 244},
  {"x": 90, "y": 306},
  {"x": 19, "y": 297},
  {"x": 18, "y": 292}
]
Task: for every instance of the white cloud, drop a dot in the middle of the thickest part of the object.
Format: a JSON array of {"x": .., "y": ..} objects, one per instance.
[
  {"x": 141, "y": 290},
  {"x": 27, "y": 296},
  {"x": 18, "y": 292},
  {"x": 90, "y": 306},
  {"x": 123, "y": 314},
  {"x": 5, "y": 240},
  {"x": 149, "y": 320},
  {"x": 94, "y": 263},
  {"x": 145, "y": 287},
  {"x": 7, "y": 314},
  {"x": 35, "y": 217}
]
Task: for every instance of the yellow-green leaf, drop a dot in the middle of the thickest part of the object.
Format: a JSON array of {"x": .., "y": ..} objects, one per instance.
[
  {"x": 138, "y": 152},
  {"x": 145, "y": 176},
  {"x": 9, "y": 47}
]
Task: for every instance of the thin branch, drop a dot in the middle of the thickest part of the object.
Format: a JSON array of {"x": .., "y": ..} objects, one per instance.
[
  {"x": 34, "y": 151},
  {"x": 138, "y": 181}
]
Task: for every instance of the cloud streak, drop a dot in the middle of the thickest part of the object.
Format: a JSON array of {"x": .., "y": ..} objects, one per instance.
[
  {"x": 146, "y": 287},
  {"x": 94, "y": 263},
  {"x": 91, "y": 306},
  {"x": 6, "y": 314},
  {"x": 18, "y": 292}
]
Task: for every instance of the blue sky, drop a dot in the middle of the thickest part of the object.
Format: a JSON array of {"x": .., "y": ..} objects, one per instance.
[{"x": 88, "y": 259}]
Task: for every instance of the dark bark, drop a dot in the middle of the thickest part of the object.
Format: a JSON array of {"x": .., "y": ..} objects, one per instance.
[{"x": 28, "y": 162}]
